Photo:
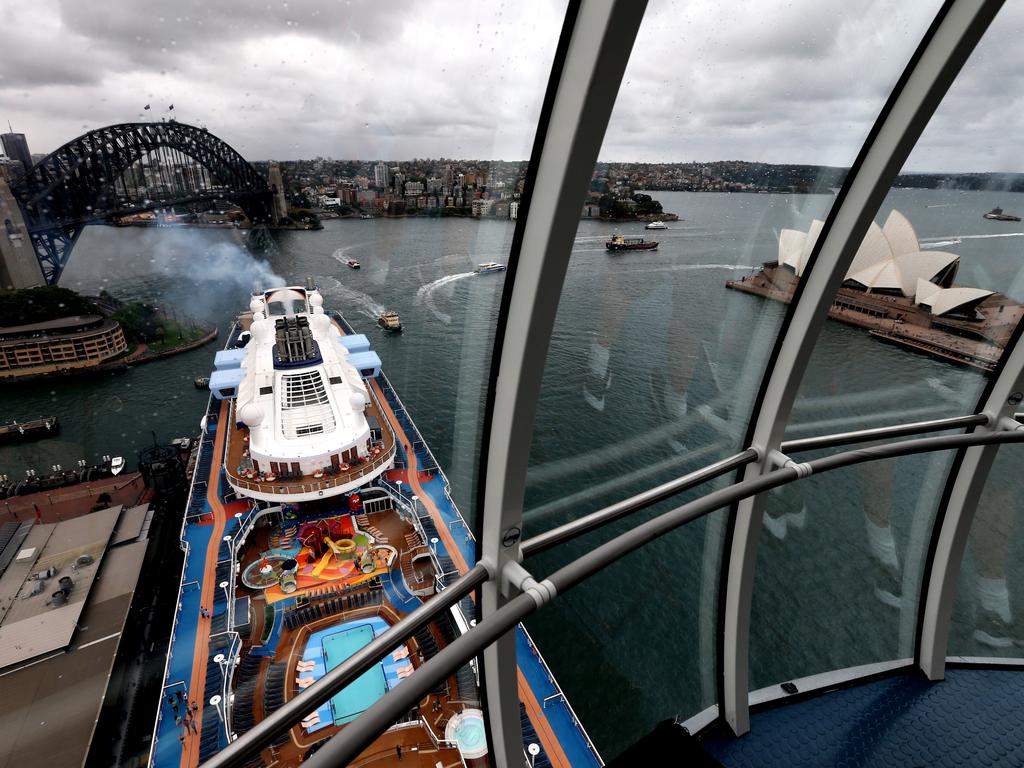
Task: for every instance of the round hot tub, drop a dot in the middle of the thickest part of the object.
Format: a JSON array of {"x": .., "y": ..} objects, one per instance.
[{"x": 466, "y": 731}]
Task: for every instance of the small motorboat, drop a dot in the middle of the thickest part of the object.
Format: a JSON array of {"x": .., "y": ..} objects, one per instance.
[
  {"x": 116, "y": 465},
  {"x": 489, "y": 266},
  {"x": 201, "y": 382},
  {"x": 656, "y": 225},
  {"x": 352, "y": 263},
  {"x": 996, "y": 214},
  {"x": 390, "y": 322}
]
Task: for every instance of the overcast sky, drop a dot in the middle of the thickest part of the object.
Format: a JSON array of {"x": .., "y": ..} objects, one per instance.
[{"x": 796, "y": 81}]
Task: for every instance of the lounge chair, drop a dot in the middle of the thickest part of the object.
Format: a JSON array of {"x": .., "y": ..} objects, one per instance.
[
  {"x": 304, "y": 682},
  {"x": 401, "y": 653}
]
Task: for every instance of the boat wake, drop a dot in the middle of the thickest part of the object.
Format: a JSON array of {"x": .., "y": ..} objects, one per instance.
[
  {"x": 341, "y": 254},
  {"x": 932, "y": 242},
  {"x": 362, "y": 303},
  {"x": 425, "y": 295},
  {"x": 696, "y": 268}
]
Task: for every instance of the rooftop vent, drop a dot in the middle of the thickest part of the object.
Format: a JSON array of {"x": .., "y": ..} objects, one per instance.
[
  {"x": 44, "y": 574},
  {"x": 294, "y": 339},
  {"x": 59, "y": 598},
  {"x": 84, "y": 560}
]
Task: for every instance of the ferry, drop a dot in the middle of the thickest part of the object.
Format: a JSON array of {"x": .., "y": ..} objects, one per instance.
[
  {"x": 656, "y": 225},
  {"x": 620, "y": 243},
  {"x": 352, "y": 264},
  {"x": 489, "y": 266},
  {"x": 996, "y": 214},
  {"x": 390, "y": 321},
  {"x": 317, "y": 518}
]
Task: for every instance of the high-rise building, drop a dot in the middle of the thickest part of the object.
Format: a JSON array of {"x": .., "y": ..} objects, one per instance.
[
  {"x": 381, "y": 175},
  {"x": 16, "y": 148}
]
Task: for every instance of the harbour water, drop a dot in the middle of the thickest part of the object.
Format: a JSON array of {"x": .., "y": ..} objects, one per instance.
[{"x": 635, "y": 645}]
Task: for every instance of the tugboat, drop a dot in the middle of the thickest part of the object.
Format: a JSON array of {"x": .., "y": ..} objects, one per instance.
[
  {"x": 390, "y": 322},
  {"x": 352, "y": 263},
  {"x": 489, "y": 266},
  {"x": 996, "y": 214},
  {"x": 620, "y": 243},
  {"x": 656, "y": 225}
]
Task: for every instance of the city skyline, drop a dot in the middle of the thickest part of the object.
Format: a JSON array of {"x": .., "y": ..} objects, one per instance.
[{"x": 799, "y": 85}]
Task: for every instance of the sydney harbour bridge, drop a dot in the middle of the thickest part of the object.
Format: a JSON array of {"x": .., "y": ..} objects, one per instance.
[{"x": 123, "y": 169}]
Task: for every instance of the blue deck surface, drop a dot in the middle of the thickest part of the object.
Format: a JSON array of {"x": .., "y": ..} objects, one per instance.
[
  {"x": 975, "y": 717},
  {"x": 167, "y": 751}
]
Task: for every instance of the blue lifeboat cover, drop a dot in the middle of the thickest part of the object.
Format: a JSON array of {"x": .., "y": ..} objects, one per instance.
[
  {"x": 364, "y": 361},
  {"x": 224, "y": 384},
  {"x": 228, "y": 358},
  {"x": 356, "y": 343}
]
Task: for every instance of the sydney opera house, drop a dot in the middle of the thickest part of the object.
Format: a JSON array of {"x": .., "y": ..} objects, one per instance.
[{"x": 900, "y": 293}]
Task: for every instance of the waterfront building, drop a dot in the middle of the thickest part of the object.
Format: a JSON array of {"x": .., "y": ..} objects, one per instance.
[
  {"x": 414, "y": 188},
  {"x": 68, "y": 607},
  {"x": 53, "y": 346}
]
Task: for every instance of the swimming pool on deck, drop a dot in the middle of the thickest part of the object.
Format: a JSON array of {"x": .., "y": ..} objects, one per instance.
[
  {"x": 327, "y": 648},
  {"x": 361, "y": 693}
]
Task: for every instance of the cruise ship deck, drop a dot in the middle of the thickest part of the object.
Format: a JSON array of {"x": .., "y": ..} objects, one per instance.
[{"x": 237, "y": 639}]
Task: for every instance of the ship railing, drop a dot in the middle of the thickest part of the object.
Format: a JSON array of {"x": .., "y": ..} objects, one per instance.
[
  {"x": 559, "y": 694},
  {"x": 187, "y": 554},
  {"x": 316, "y": 485},
  {"x": 416, "y": 438}
]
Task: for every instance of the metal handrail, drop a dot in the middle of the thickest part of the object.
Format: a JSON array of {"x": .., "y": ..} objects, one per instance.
[
  {"x": 877, "y": 433},
  {"x": 647, "y": 498}
]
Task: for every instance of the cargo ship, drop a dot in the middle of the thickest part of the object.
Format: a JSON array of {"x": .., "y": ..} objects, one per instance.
[
  {"x": 621, "y": 243},
  {"x": 317, "y": 518}
]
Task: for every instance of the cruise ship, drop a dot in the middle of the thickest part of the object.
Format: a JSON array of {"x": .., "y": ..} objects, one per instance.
[{"x": 318, "y": 519}]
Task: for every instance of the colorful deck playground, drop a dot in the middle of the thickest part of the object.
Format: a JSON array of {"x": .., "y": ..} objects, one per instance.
[{"x": 272, "y": 597}]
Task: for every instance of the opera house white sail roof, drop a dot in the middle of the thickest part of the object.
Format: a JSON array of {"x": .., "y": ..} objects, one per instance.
[{"x": 890, "y": 260}]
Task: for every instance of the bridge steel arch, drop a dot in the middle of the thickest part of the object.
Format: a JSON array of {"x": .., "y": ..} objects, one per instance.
[{"x": 76, "y": 185}]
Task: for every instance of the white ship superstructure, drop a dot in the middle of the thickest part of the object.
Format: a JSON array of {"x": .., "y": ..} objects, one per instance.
[{"x": 306, "y": 424}]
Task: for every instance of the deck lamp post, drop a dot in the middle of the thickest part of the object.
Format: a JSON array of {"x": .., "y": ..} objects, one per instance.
[
  {"x": 433, "y": 544},
  {"x": 534, "y": 750}
]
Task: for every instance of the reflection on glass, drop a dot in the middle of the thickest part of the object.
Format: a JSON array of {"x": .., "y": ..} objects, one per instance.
[
  {"x": 659, "y": 347},
  {"x": 348, "y": 156},
  {"x": 990, "y": 591},
  {"x": 840, "y": 564}
]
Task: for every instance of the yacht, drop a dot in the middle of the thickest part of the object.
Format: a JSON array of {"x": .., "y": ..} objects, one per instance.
[
  {"x": 656, "y": 225},
  {"x": 489, "y": 266},
  {"x": 331, "y": 523}
]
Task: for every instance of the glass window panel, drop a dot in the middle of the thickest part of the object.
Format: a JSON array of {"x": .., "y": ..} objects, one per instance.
[
  {"x": 654, "y": 361},
  {"x": 935, "y": 289},
  {"x": 990, "y": 590},
  {"x": 839, "y": 568},
  {"x": 397, "y": 139}
]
